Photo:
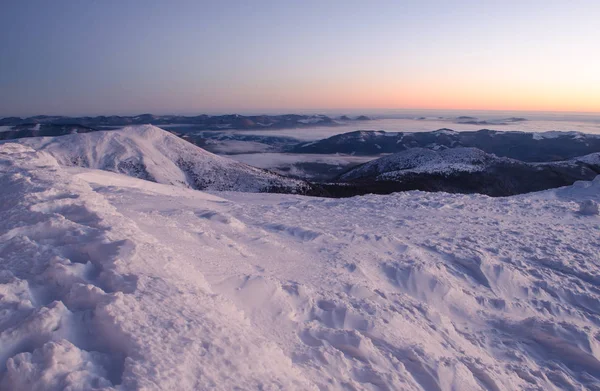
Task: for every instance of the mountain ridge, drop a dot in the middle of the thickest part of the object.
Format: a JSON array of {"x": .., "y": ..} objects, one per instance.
[
  {"x": 151, "y": 153},
  {"x": 464, "y": 170},
  {"x": 202, "y": 121}
]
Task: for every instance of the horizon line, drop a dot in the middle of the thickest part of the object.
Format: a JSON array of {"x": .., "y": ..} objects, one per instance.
[{"x": 314, "y": 111}]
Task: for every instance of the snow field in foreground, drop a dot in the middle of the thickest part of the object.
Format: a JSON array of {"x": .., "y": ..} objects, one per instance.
[
  {"x": 89, "y": 300},
  {"x": 109, "y": 281}
]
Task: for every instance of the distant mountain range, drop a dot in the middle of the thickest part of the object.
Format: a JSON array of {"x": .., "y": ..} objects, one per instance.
[
  {"x": 44, "y": 125},
  {"x": 528, "y": 147}
]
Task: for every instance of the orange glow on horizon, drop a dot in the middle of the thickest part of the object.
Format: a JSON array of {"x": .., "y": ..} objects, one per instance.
[{"x": 444, "y": 97}]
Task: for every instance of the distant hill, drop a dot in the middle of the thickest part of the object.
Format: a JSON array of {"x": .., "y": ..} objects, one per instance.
[{"x": 461, "y": 170}]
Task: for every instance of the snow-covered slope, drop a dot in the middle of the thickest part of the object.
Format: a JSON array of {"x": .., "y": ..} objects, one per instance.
[
  {"x": 150, "y": 153},
  {"x": 466, "y": 170},
  {"x": 110, "y": 281},
  {"x": 421, "y": 160}
]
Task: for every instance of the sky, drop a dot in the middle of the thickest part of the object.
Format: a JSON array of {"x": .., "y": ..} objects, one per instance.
[{"x": 91, "y": 57}]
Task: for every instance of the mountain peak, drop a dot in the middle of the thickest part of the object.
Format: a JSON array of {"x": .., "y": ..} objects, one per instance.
[{"x": 147, "y": 130}]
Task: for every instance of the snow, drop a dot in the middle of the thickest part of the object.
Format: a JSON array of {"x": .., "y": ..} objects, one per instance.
[
  {"x": 5, "y": 128},
  {"x": 555, "y": 134},
  {"x": 118, "y": 283}
]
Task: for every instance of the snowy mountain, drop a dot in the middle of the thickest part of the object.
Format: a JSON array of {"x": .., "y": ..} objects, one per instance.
[
  {"x": 426, "y": 161},
  {"x": 150, "y": 153},
  {"x": 115, "y": 283},
  {"x": 463, "y": 170}
]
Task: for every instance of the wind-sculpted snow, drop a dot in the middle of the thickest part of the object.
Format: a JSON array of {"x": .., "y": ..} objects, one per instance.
[
  {"x": 110, "y": 281},
  {"x": 89, "y": 300},
  {"x": 150, "y": 153}
]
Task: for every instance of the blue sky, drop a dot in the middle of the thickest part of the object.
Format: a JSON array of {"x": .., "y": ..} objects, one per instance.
[{"x": 133, "y": 56}]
